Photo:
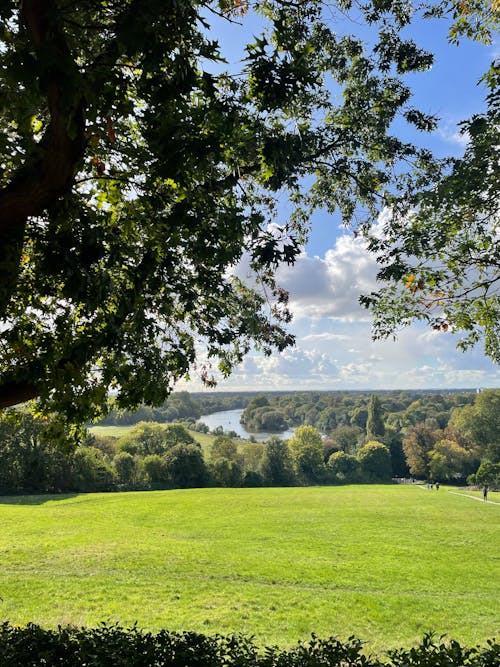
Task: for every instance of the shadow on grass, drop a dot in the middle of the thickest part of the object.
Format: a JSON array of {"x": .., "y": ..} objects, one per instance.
[{"x": 39, "y": 499}]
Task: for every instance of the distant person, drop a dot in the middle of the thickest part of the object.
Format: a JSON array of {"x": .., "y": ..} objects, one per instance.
[
  {"x": 437, "y": 486},
  {"x": 485, "y": 493}
]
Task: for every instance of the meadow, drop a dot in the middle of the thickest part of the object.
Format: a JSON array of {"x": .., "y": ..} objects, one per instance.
[{"x": 386, "y": 563}]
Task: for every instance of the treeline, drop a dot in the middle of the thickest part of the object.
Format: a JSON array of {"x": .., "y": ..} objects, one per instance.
[
  {"x": 153, "y": 455},
  {"x": 324, "y": 410},
  {"x": 327, "y": 410},
  {"x": 156, "y": 456},
  {"x": 180, "y": 406}
]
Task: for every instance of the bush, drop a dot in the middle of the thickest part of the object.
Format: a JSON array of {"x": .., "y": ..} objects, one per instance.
[{"x": 106, "y": 646}]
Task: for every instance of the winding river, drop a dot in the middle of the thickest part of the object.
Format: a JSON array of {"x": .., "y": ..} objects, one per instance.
[{"x": 230, "y": 421}]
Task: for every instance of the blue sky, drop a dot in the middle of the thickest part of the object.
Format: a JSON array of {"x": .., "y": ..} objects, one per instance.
[{"x": 334, "y": 349}]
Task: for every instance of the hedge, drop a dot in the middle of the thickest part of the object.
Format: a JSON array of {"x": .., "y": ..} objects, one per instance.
[{"x": 114, "y": 646}]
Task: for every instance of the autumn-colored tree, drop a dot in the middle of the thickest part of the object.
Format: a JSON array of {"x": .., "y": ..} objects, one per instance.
[{"x": 417, "y": 446}]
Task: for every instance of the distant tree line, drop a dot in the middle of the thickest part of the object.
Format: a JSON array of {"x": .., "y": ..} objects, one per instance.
[{"x": 153, "y": 455}]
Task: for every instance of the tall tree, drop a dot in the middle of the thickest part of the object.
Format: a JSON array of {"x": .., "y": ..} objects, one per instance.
[
  {"x": 136, "y": 173},
  {"x": 375, "y": 428},
  {"x": 276, "y": 466}
]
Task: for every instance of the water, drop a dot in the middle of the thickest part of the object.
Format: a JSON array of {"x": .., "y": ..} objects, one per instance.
[{"x": 230, "y": 421}]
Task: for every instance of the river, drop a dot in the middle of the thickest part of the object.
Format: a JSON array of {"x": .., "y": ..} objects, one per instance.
[{"x": 230, "y": 421}]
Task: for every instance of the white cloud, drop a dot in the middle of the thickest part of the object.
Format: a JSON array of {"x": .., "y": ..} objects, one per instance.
[
  {"x": 331, "y": 286},
  {"x": 450, "y": 132},
  {"x": 325, "y": 336},
  {"x": 334, "y": 346}
]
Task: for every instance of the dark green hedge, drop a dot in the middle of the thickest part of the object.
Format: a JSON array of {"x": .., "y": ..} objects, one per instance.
[{"x": 114, "y": 646}]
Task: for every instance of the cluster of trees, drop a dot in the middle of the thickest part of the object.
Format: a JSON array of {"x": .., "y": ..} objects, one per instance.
[
  {"x": 152, "y": 456},
  {"x": 468, "y": 448},
  {"x": 328, "y": 410},
  {"x": 259, "y": 415}
]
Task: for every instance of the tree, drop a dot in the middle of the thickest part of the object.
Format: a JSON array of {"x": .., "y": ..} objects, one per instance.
[
  {"x": 487, "y": 474},
  {"x": 375, "y": 422},
  {"x": 448, "y": 461},
  {"x": 91, "y": 471},
  {"x": 224, "y": 448},
  {"x": 30, "y": 459},
  {"x": 185, "y": 466},
  {"x": 481, "y": 423},
  {"x": 417, "y": 445},
  {"x": 440, "y": 250},
  {"x": 306, "y": 451},
  {"x": 346, "y": 438},
  {"x": 276, "y": 465},
  {"x": 145, "y": 438},
  {"x": 126, "y": 468},
  {"x": 375, "y": 462},
  {"x": 345, "y": 468},
  {"x": 226, "y": 472},
  {"x": 156, "y": 469},
  {"x": 137, "y": 173}
]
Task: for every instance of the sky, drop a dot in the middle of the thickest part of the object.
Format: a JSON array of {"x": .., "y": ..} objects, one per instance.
[{"x": 334, "y": 348}]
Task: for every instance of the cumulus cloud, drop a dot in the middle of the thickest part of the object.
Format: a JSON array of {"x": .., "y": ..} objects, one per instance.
[{"x": 331, "y": 286}]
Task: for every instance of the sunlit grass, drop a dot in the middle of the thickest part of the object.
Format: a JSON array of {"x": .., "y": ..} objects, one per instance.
[{"x": 385, "y": 563}]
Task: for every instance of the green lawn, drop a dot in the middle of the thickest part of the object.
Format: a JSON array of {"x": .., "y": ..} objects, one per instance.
[{"x": 385, "y": 563}]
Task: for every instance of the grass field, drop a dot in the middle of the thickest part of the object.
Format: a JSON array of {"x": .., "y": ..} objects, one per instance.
[{"x": 385, "y": 563}]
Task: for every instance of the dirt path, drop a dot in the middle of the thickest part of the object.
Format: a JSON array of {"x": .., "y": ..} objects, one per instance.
[{"x": 457, "y": 493}]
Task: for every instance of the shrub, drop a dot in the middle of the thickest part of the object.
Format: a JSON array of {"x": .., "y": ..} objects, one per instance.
[{"x": 106, "y": 646}]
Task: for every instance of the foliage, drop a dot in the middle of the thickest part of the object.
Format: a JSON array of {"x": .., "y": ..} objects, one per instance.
[
  {"x": 375, "y": 427},
  {"x": 481, "y": 422},
  {"x": 223, "y": 447},
  {"x": 345, "y": 468},
  {"x": 139, "y": 171},
  {"x": 487, "y": 474},
  {"x": 375, "y": 462},
  {"x": 30, "y": 456},
  {"x": 91, "y": 471},
  {"x": 448, "y": 461},
  {"x": 276, "y": 463},
  {"x": 185, "y": 466},
  {"x": 126, "y": 468},
  {"x": 306, "y": 451},
  {"x": 440, "y": 259},
  {"x": 147, "y": 438},
  {"x": 417, "y": 446},
  {"x": 225, "y": 472},
  {"x": 113, "y": 644}
]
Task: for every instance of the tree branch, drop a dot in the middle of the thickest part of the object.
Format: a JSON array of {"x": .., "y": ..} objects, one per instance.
[
  {"x": 13, "y": 393},
  {"x": 48, "y": 172}
]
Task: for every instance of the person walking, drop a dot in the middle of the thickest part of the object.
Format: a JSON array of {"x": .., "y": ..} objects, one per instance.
[{"x": 485, "y": 493}]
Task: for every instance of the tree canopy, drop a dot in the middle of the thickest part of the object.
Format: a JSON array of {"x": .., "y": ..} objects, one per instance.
[
  {"x": 440, "y": 251},
  {"x": 138, "y": 170}
]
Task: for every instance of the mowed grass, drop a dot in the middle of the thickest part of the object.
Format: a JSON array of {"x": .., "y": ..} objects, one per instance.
[{"x": 386, "y": 563}]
